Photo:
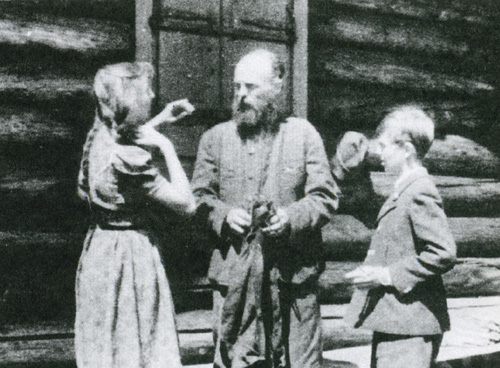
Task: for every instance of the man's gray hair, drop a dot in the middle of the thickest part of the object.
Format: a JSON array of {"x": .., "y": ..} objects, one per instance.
[{"x": 277, "y": 64}]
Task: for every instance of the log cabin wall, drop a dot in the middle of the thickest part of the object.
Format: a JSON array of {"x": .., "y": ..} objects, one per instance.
[
  {"x": 364, "y": 55},
  {"x": 49, "y": 53},
  {"x": 369, "y": 55}
]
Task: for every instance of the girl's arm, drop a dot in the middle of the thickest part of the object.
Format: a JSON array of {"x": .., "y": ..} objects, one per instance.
[
  {"x": 176, "y": 193},
  {"x": 173, "y": 112}
]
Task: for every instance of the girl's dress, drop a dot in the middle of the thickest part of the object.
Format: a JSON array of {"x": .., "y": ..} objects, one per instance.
[{"x": 124, "y": 310}]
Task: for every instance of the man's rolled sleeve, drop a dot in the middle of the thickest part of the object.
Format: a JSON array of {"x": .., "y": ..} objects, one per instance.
[
  {"x": 320, "y": 192},
  {"x": 205, "y": 183}
]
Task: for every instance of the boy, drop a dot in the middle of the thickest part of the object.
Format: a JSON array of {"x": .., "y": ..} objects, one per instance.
[{"x": 399, "y": 291}]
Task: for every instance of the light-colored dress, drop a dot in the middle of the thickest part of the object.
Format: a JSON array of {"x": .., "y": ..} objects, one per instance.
[{"x": 124, "y": 310}]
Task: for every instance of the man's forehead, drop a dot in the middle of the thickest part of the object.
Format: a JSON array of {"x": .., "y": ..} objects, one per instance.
[
  {"x": 385, "y": 136},
  {"x": 255, "y": 69}
]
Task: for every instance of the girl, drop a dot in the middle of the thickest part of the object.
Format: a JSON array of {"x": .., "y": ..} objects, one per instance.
[{"x": 124, "y": 310}]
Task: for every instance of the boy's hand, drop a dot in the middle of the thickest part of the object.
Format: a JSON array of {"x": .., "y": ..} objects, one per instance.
[{"x": 369, "y": 277}]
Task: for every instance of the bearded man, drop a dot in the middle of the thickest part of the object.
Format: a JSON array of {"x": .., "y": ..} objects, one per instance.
[{"x": 264, "y": 186}]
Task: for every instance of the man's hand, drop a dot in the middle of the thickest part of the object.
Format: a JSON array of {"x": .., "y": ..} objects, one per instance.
[
  {"x": 369, "y": 277},
  {"x": 278, "y": 224},
  {"x": 238, "y": 220}
]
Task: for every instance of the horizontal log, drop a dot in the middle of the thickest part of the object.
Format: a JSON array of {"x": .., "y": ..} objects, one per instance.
[
  {"x": 60, "y": 58},
  {"x": 390, "y": 33},
  {"x": 66, "y": 33},
  {"x": 347, "y": 238},
  {"x": 41, "y": 266},
  {"x": 389, "y": 69},
  {"x": 456, "y": 155},
  {"x": 32, "y": 125},
  {"x": 372, "y": 28},
  {"x": 362, "y": 195},
  {"x": 467, "y": 279},
  {"x": 118, "y": 10},
  {"x": 462, "y": 197},
  {"x": 52, "y": 89},
  {"x": 484, "y": 13},
  {"x": 346, "y": 105}
]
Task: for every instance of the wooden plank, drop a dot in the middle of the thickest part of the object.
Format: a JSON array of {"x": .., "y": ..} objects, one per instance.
[
  {"x": 53, "y": 342},
  {"x": 449, "y": 357},
  {"x": 300, "y": 58}
]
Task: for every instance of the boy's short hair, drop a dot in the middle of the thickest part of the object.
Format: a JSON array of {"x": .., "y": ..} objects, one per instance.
[{"x": 409, "y": 123}]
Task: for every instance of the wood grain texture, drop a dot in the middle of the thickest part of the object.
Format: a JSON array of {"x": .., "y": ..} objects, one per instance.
[{"x": 116, "y": 10}]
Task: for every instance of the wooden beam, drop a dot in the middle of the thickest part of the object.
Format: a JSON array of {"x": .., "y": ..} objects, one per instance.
[
  {"x": 300, "y": 59},
  {"x": 145, "y": 41}
]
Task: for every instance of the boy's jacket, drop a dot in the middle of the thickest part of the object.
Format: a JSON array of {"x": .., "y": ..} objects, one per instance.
[{"x": 412, "y": 239}]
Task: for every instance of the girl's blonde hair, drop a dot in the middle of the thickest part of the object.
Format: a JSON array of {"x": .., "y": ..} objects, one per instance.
[{"x": 111, "y": 85}]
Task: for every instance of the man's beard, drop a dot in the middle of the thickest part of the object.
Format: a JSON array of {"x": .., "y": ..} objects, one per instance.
[{"x": 251, "y": 120}]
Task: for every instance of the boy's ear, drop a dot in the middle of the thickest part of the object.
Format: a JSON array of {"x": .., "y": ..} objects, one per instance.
[{"x": 410, "y": 150}]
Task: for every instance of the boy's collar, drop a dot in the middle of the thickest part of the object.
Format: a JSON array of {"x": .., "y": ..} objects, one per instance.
[{"x": 406, "y": 179}]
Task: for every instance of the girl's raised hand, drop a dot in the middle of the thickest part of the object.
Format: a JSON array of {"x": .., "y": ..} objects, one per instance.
[{"x": 173, "y": 112}]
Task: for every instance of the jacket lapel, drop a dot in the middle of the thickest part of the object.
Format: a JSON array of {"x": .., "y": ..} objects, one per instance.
[
  {"x": 388, "y": 206},
  {"x": 391, "y": 202}
]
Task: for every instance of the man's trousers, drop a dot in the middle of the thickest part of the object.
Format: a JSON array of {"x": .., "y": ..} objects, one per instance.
[{"x": 301, "y": 325}]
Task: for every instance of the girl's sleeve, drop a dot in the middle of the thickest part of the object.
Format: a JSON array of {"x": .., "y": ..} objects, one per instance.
[{"x": 137, "y": 174}]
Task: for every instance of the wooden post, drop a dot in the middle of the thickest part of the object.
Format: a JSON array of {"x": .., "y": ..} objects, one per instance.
[
  {"x": 300, "y": 55},
  {"x": 144, "y": 37}
]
